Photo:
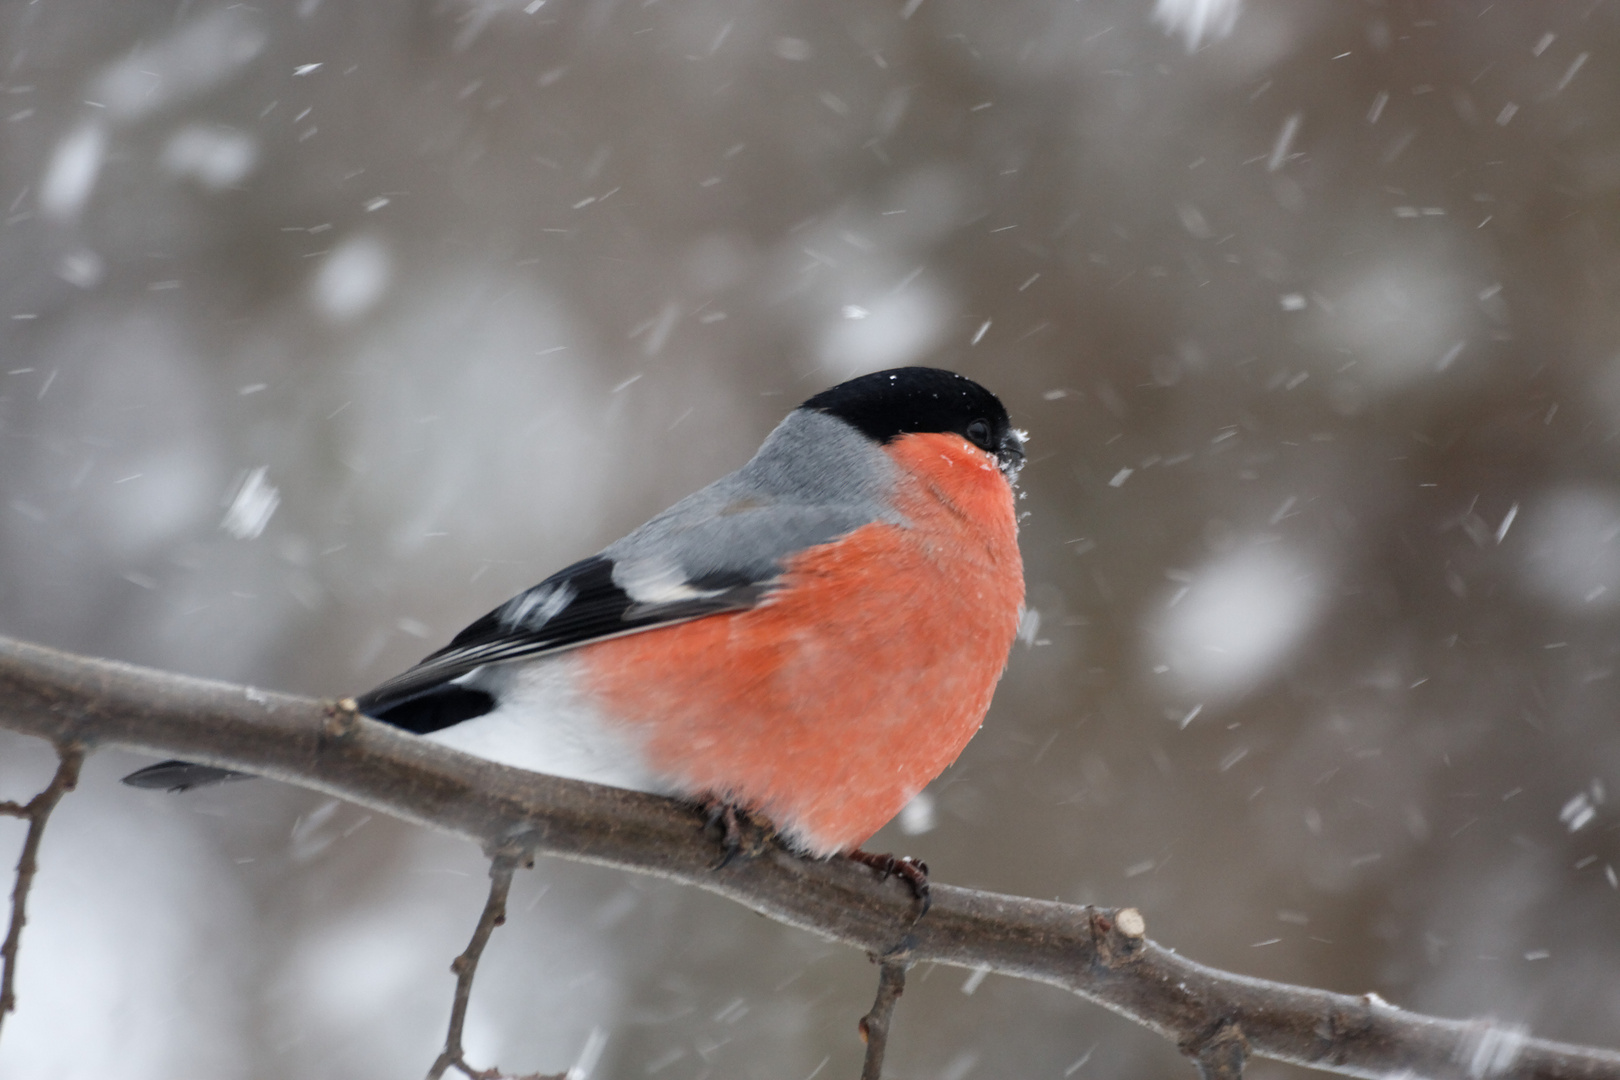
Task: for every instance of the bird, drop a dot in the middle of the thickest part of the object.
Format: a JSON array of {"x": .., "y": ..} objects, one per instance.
[{"x": 810, "y": 639}]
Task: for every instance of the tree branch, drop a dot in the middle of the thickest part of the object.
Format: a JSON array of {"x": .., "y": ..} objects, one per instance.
[
  {"x": 1101, "y": 955},
  {"x": 37, "y": 811},
  {"x": 875, "y": 1024}
]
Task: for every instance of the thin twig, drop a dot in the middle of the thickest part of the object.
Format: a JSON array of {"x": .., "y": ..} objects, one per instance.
[
  {"x": 1219, "y": 1055},
  {"x": 465, "y": 968},
  {"x": 875, "y": 1024},
  {"x": 1099, "y": 954},
  {"x": 37, "y": 811}
]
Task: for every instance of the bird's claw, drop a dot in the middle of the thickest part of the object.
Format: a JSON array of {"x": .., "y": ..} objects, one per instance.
[
  {"x": 736, "y": 825},
  {"x": 914, "y": 872}
]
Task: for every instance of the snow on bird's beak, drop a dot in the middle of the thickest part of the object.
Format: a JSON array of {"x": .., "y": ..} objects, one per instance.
[{"x": 1010, "y": 454}]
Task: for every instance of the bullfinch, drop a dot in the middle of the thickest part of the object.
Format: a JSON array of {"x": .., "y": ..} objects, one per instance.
[{"x": 810, "y": 639}]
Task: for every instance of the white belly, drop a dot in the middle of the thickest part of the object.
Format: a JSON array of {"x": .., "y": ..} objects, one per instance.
[{"x": 542, "y": 723}]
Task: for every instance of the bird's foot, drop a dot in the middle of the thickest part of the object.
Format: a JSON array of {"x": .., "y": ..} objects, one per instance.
[
  {"x": 742, "y": 832},
  {"x": 913, "y": 872}
]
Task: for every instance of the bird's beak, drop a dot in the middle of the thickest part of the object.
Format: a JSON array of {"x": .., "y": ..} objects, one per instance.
[{"x": 1010, "y": 454}]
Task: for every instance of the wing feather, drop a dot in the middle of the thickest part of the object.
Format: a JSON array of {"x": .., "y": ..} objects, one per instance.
[{"x": 575, "y": 606}]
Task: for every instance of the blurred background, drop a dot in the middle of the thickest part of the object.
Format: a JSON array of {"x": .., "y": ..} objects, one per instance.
[{"x": 326, "y": 327}]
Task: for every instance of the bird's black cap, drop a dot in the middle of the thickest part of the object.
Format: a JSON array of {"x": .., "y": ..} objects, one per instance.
[{"x": 905, "y": 401}]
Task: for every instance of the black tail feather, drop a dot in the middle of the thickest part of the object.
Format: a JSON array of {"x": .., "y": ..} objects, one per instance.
[{"x": 180, "y": 776}]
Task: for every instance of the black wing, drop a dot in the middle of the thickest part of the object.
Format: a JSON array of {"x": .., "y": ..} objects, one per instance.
[{"x": 578, "y": 604}]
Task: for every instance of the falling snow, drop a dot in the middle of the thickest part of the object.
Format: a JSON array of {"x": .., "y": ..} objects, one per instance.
[
  {"x": 327, "y": 334},
  {"x": 251, "y": 506}
]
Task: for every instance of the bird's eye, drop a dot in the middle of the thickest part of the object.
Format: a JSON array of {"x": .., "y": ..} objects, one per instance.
[{"x": 978, "y": 433}]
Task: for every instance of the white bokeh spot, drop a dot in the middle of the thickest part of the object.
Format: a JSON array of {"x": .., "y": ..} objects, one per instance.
[
  {"x": 1195, "y": 21},
  {"x": 71, "y": 175},
  {"x": 1572, "y": 556},
  {"x": 1399, "y": 321},
  {"x": 196, "y": 57},
  {"x": 891, "y": 331},
  {"x": 1237, "y": 619},
  {"x": 353, "y": 278},
  {"x": 214, "y": 157}
]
